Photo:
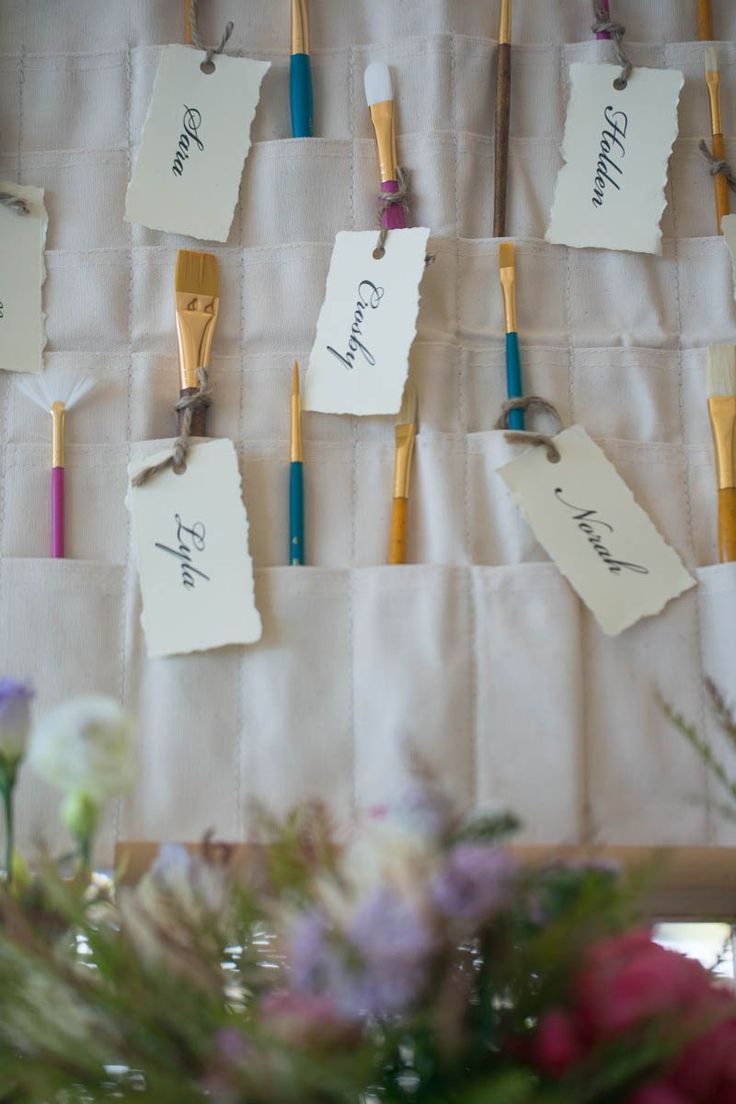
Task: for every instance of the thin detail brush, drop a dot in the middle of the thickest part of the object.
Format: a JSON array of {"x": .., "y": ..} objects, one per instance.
[
  {"x": 380, "y": 98},
  {"x": 405, "y": 434},
  {"x": 296, "y": 474},
  {"x": 300, "y": 72},
  {"x": 713, "y": 81},
  {"x": 197, "y": 301},
  {"x": 56, "y": 396},
  {"x": 507, "y": 276},
  {"x": 722, "y": 414},
  {"x": 503, "y": 115}
]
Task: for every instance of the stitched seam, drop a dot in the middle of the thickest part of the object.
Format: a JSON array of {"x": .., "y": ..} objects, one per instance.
[
  {"x": 684, "y": 452},
  {"x": 240, "y": 817},
  {"x": 354, "y": 491}
]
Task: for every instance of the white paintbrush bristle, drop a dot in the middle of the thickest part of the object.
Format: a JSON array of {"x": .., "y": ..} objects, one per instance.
[
  {"x": 722, "y": 369},
  {"x": 711, "y": 59},
  {"x": 377, "y": 79},
  {"x": 53, "y": 386}
]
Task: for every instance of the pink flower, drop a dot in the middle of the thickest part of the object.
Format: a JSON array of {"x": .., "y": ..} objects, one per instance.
[
  {"x": 629, "y": 979},
  {"x": 304, "y": 1019},
  {"x": 556, "y": 1045},
  {"x": 706, "y": 1070},
  {"x": 657, "y": 1093}
]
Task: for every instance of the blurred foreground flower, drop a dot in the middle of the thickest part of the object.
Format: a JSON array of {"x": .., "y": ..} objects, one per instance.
[
  {"x": 15, "y": 723},
  {"x": 86, "y": 749}
]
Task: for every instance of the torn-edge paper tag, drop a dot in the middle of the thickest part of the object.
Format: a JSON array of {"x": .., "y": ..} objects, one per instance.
[
  {"x": 586, "y": 518},
  {"x": 360, "y": 357},
  {"x": 22, "y": 275},
  {"x": 616, "y": 148},
  {"x": 728, "y": 226},
  {"x": 195, "y": 141},
  {"x": 191, "y": 539}
]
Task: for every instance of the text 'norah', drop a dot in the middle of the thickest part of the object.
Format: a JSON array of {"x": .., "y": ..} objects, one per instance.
[{"x": 590, "y": 525}]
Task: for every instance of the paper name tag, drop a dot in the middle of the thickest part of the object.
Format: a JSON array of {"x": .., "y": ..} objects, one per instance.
[
  {"x": 22, "y": 273},
  {"x": 195, "y": 141},
  {"x": 617, "y": 144},
  {"x": 728, "y": 226},
  {"x": 360, "y": 357},
  {"x": 191, "y": 538},
  {"x": 586, "y": 519}
]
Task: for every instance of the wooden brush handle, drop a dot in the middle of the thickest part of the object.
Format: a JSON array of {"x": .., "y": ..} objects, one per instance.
[
  {"x": 723, "y": 205},
  {"x": 704, "y": 20},
  {"x": 397, "y": 542},
  {"x": 503, "y": 113},
  {"x": 727, "y": 525},
  {"x": 199, "y": 415}
]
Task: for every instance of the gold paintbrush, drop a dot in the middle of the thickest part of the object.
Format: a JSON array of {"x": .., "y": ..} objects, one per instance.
[
  {"x": 722, "y": 413},
  {"x": 406, "y": 431},
  {"x": 713, "y": 80},
  {"x": 196, "y": 297}
]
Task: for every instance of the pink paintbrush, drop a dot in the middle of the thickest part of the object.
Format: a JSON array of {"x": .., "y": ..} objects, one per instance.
[
  {"x": 606, "y": 12},
  {"x": 380, "y": 97},
  {"x": 56, "y": 397}
]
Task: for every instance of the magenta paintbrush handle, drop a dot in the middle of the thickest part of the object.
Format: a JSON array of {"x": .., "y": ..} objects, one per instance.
[
  {"x": 57, "y": 513},
  {"x": 394, "y": 217},
  {"x": 606, "y": 9}
]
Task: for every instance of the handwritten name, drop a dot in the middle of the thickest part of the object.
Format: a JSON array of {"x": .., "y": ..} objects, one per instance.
[
  {"x": 195, "y": 534},
  {"x": 612, "y": 151},
  {"x": 591, "y": 525},
  {"x": 189, "y": 135},
  {"x": 369, "y": 298},
  {"x": 1, "y": 309}
]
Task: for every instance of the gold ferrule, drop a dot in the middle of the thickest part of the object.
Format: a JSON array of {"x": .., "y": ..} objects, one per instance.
[
  {"x": 508, "y": 284},
  {"x": 713, "y": 80},
  {"x": 382, "y": 116},
  {"x": 295, "y": 438},
  {"x": 504, "y": 25},
  {"x": 405, "y": 437},
  {"x": 299, "y": 27},
  {"x": 722, "y": 411},
  {"x": 57, "y": 434},
  {"x": 195, "y": 326}
]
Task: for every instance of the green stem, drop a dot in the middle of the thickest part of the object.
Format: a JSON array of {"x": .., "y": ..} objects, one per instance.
[
  {"x": 7, "y": 797},
  {"x": 85, "y": 854}
]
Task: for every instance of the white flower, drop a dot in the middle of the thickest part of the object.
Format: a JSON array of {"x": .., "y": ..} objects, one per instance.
[
  {"x": 15, "y": 720},
  {"x": 86, "y": 747}
]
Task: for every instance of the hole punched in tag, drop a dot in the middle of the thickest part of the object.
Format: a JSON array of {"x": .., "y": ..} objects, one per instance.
[
  {"x": 192, "y": 33},
  {"x": 527, "y": 437},
  {"x": 605, "y": 25}
]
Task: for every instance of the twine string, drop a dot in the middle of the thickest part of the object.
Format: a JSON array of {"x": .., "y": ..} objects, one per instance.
[
  {"x": 604, "y": 24},
  {"x": 528, "y": 437},
  {"x": 208, "y": 65},
  {"x": 177, "y": 458},
  {"x": 717, "y": 165},
  {"x": 388, "y": 200},
  {"x": 15, "y": 203}
]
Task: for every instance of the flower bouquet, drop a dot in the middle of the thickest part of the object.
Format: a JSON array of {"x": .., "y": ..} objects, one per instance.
[{"x": 414, "y": 962}]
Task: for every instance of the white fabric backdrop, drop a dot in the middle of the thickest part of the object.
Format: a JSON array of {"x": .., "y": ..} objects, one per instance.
[{"x": 478, "y": 653}]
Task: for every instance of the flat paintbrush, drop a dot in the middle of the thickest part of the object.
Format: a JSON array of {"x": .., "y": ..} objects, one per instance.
[
  {"x": 704, "y": 20},
  {"x": 503, "y": 115},
  {"x": 713, "y": 80},
  {"x": 722, "y": 414},
  {"x": 606, "y": 12},
  {"x": 196, "y": 297},
  {"x": 507, "y": 276},
  {"x": 405, "y": 433},
  {"x": 380, "y": 99}
]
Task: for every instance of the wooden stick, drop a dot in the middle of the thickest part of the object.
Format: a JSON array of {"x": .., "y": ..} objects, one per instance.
[
  {"x": 720, "y": 184},
  {"x": 187, "y": 23},
  {"x": 704, "y": 20},
  {"x": 503, "y": 111}
]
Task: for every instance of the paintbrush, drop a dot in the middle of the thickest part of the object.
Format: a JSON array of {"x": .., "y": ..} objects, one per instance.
[
  {"x": 713, "y": 80},
  {"x": 507, "y": 276},
  {"x": 196, "y": 299},
  {"x": 503, "y": 113},
  {"x": 57, "y": 397},
  {"x": 605, "y": 10},
  {"x": 704, "y": 20},
  {"x": 405, "y": 433},
  {"x": 296, "y": 475},
  {"x": 722, "y": 413},
  {"x": 300, "y": 72},
  {"x": 380, "y": 98},
  {"x": 187, "y": 5}
]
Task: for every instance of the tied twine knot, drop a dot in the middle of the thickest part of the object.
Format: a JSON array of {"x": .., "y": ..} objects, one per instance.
[
  {"x": 526, "y": 437},
  {"x": 15, "y": 203},
  {"x": 177, "y": 458},
  {"x": 717, "y": 165},
  {"x": 208, "y": 65},
  {"x": 604, "y": 24},
  {"x": 391, "y": 199}
]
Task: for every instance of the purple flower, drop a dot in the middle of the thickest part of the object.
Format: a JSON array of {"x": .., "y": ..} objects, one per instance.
[
  {"x": 474, "y": 883},
  {"x": 15, "y": 719}
]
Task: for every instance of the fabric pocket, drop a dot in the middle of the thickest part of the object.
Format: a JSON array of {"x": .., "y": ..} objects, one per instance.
[{"x": 62, "y": 632}]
